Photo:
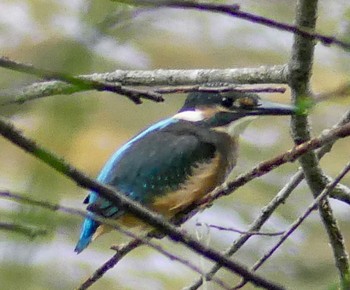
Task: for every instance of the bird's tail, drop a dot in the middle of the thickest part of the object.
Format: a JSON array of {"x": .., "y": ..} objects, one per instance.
[{"x": 87, "y": 231}]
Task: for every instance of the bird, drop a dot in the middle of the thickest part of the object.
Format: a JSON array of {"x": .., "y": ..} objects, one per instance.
[{"x": 178, "y": 160}]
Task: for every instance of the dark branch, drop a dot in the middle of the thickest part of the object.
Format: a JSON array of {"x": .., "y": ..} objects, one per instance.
[{"x": 233, "y": 10}]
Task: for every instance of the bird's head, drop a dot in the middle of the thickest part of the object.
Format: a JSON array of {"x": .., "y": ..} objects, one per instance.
[{"x": 230, "y": 111}]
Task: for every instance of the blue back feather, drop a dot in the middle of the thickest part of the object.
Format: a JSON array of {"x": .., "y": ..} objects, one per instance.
[{"x": 90, "y": 226}]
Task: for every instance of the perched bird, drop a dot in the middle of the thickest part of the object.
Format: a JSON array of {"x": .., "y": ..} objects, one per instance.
[{"x": 178, "y": 160}]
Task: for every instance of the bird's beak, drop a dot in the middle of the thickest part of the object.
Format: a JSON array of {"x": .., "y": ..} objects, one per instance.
[{"x": 270, "y": 108}]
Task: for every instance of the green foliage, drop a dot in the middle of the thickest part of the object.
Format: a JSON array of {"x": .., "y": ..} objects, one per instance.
[{"x": 304, "y": 105}]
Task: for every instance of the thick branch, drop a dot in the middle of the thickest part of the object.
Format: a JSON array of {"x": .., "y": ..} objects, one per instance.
[
  {"x": 81, "y": 84},
  {"x": 159, "y": 77},
  {"x": 220, "y": 88},
  {"x": 300, "y": 67}
]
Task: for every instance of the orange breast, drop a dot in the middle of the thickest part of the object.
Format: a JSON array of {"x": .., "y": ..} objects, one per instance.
[{"x": 204, "y": 179}]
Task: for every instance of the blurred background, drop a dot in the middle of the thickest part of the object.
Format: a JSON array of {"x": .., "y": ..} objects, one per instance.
[{"x": 83, "y": 37}]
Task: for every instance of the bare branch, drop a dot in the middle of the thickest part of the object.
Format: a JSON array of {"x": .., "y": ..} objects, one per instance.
[
  {"x": 56, "y": 207},
  {"x": 341, "y": 91},
  {"x": 313, "y": 206},
  {"x": 233, "y": 10},
  {"x": 296, "y": 29},
  {"x": 31, "y": 232},
  {"x": 300, "y": 67},
  {"x": 121, "y": 253},
  {"x": 231, "y": 229},
  {"x": 257, "y": 224},
  {"x": 171, "y": 256},
  {"x": 81, "y": 84},
  {"x": 218, "y": 89},
  {"x": 341, "y": 192},
  {"x": 152, "y": 78},
  {"x": 185, "y": 4}
]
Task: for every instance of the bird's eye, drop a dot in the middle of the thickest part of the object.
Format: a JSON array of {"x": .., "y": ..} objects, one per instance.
[
  {"x": 227, "y": 102},
  {"x": 248, "y": 102}
]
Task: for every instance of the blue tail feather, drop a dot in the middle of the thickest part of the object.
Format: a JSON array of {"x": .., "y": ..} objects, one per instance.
[{"x": 88, "y": 229}]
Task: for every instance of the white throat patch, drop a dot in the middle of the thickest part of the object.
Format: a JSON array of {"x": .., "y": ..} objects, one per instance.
[{"x": 192, "y": 116}]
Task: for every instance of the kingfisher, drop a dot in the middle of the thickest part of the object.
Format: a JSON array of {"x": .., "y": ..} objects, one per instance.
[{"x": 173, "y": 163}]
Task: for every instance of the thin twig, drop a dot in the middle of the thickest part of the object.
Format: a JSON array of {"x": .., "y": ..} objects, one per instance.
[
  {"x": 298, "y": 30},
  {"x": 184, "y": 4},
  {"x": 166, "y": 253},
  {"x": 98, "y": 274},
  {"x": 233, "y": 10},
  {"x": 342, "y": 90},
  {"x": 250, "y": 233},
  {"x": 112, "y": 195},
  {"x": 82, "y": 84},
  {"x": 257, "y": 224},
  {"x": 54, "y": 207},
  {"x": 341, "y": 192},
  {"x": 31, "y": 232},
  {"x": 313, "y": 206}
]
